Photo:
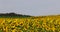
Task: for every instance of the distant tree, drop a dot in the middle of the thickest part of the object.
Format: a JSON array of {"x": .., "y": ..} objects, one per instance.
[{"x": 13, "y": 15}]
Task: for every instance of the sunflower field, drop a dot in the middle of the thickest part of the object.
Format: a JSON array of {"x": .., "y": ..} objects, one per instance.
[{"x": 32, "y": 24}]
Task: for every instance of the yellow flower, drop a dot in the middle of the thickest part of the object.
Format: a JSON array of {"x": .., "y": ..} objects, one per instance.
[
  {"x": 6, "y": 29},
  {"x": 53, "y": 28},
  {"x": 13, "y": 30},
  {"x": 31, "y": 30},
  {"x": 47, "y": 28},
  {"x": 21, "y": 23}
]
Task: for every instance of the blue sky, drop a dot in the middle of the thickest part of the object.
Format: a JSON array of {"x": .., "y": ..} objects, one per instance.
[{"x": 30, "y": 7}]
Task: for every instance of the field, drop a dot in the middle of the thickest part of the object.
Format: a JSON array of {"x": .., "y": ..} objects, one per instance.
[{"x": 30, "y": 24}]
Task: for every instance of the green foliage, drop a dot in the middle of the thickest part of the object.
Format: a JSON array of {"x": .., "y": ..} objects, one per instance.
[{"x": 13, "y": 15}]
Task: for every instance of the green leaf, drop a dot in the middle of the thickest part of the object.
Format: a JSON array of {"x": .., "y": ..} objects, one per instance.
[
  {"x": 41, "y": 22},
  {"x": 1, "y": 31}
]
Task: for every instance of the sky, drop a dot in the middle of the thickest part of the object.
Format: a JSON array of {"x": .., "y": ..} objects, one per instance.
[{"x": 30, "y": 7}]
